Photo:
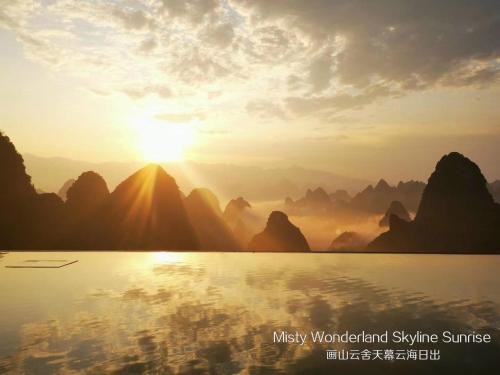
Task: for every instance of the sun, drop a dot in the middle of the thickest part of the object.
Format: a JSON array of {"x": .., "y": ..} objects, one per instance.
[{"x": 163, "y": 142}]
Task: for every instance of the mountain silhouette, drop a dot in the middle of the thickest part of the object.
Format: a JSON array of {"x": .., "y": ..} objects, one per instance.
[
  {"x": 340, "y": 196},
  {"x": 235, "y": 208},
  {"x": 383, "y": 187},
  {"x": 86, "y": 194},
  {"x": 316, "y": 202},
  {"x": 318, "y": 196},
  {"x": 279, "y": 235},
  {"x": 409, "y": 193},
  {"x": 457, "y": 214},
  {"x": 377, "y": 199},
  {"x": 17, "y": 198},
  {"x": 205, "y": 215},
  {"x": 348, "y": 241},
  {"x": 84, "y": 199},
  {"x": 396, "y": 208},
  {"x": 145, "y": 212},
  {"x": 242, "y": 220},
  {"x": 494, "y": 189},
  {"x": 371, "y": 200},
  {"x": 49, "y": 220},
  {"x": 63, "y": 191}
]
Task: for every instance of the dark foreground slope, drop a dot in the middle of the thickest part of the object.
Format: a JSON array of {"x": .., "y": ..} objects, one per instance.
[{"x": 28, "y": 220}]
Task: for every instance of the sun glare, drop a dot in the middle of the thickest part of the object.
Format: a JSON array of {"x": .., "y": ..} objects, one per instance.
[
  {"x": 164, "y": 257},
  {"x": 166, "y": 142}
]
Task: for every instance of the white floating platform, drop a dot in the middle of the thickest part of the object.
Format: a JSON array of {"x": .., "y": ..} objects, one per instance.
[{"x": 42, "y": 263}]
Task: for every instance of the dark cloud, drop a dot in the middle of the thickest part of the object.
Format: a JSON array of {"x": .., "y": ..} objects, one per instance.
[
  {"x": 147, "y": 45},
  {"x": 269, "y": 44},
  {"x": 174, "y": 8},
  {"x": 193, "y": 10},
  {"x": 410, "y": 45},
  {"x": 219, "y": 35},
  {"x": 132, "y": 19},
  {"x": 320, "y": 71},
  {"x": 305, "y": 106}
]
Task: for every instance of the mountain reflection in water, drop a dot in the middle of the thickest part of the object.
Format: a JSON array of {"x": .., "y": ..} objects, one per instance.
[{"x": 196, "y": 313}]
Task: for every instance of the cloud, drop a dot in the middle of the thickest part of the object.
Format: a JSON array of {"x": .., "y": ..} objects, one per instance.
[
  {"x": 122, "y": 16},
  {"x": 147, "y": 45},
  {"x": 14, "y": 12},
  {"x": 195, "y": 66},
  {"x": 396, "y": 41},
  {"x": 408, "y": 45},
  {"x": 194, "y": 10},
  {"x": 321, "y": 71},
  {"x": 143, "y": 91},
  {"x": 219, "y": 35},
  {"x": 316, "y": 57},
  {"x": 214, "y": 132},
  {"x": 305, "y": 106},
  {"x": 132, "y": 19},
  {"x": 265, "y": 109}
]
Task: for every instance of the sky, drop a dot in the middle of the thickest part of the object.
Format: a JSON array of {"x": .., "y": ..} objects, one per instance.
[{"x": 364, "y": 89}]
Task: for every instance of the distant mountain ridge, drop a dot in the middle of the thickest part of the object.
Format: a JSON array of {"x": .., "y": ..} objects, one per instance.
[
  {"x": 396, "y": 208},
  {"x": 371, "y": 200},
  {"x": 148, "y": 211},
  {"x": 254, "y": 183},
  {"x": 377, "y": 199}
]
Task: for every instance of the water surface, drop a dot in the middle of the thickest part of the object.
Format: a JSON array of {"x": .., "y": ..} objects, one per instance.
[{"x": 196, "y": 313}]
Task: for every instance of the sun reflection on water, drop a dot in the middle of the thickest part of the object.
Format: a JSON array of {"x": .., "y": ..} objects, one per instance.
[
  {"x": 165, "y": 312},
  {"x": 164, "y": 257}
]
